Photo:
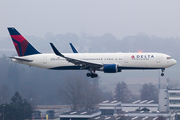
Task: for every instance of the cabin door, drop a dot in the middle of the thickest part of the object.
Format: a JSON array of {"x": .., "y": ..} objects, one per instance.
[
  {"x": 44, "y": 60},
  {"x": 158, "y": 59},
  {"x": 126, "y": 60}
]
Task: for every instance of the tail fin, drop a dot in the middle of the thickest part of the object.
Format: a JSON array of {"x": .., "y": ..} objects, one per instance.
[{"x": 23, "y": 47}]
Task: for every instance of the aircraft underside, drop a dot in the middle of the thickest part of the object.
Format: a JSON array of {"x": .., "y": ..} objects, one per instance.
[{"x": 92, "y": 73}]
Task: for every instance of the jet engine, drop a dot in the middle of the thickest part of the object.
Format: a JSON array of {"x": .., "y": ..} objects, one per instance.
[{"x": 111, "y": 68}]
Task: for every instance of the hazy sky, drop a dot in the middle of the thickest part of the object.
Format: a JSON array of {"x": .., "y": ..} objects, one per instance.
[{"x": 118, "y": 17}]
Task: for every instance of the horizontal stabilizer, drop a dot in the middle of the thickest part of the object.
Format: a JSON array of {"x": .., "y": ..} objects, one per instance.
[{"x": 21, "y": 59}]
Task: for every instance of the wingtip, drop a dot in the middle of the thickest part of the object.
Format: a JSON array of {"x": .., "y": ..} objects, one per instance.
[
  {"x": 52, "y": 45},
  {"x": 55, "y": 50},
  {"x": 10, "y": 27}
]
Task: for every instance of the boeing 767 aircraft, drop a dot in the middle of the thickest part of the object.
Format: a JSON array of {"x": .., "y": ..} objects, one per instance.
[{"x": 106, "y": 62}]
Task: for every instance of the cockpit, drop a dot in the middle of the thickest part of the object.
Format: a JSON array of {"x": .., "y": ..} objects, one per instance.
[{"x": 168, "y": 58}]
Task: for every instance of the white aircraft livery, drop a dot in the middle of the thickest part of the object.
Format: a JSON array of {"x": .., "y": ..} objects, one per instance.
[{"x": 106, "y": 62}]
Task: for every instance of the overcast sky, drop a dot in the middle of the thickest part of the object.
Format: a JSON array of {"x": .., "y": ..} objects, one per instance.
[{"x": 96, "y": 17}]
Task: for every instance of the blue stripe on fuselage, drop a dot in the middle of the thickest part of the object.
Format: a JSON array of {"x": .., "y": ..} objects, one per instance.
[
  {"x": 67, "y": 68},
  {"x": 119, "y": 68}
]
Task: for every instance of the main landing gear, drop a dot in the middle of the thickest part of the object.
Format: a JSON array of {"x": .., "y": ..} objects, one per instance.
[
  {"x": 162, "y": 74},
  {"x": 92, "y": 75}
]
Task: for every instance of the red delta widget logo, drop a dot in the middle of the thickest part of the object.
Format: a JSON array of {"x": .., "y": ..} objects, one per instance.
[{"x": 142, "y": 56}]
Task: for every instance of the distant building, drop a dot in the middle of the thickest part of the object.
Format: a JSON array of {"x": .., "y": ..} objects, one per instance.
[
  {"x": 48, "y": 110},
  {"x": 109, "y": 108},
  {"x": 80, "y": 115},
  {"x": 163, "y": 100},
  {"x": 36, "y": 114},
  {"x": 169, "y": 100},
  {"x": 168, "y": 108},
  {"x": 113, "y": 107},
  {"x": 150, "y": 114},
  {"x": 174, "y": 99},
  {"x": 134, "y": 107},
  {"x": 107, "y": 118},
  {"x": 135, "y": 115}
]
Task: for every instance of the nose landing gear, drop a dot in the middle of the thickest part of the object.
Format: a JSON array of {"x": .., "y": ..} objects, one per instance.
[{"x": 162, "y": 74}]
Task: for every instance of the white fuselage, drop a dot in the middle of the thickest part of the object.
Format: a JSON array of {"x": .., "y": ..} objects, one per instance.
[{"x": 123, "y": 60}]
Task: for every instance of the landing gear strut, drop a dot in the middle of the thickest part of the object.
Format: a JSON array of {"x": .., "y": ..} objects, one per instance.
[
  {"x": 92, "y": 75},
  {"x": 162, "y": 74}
]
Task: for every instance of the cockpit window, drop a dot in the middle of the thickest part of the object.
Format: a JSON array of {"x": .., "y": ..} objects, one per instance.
[{"x": 168, "y": 57}]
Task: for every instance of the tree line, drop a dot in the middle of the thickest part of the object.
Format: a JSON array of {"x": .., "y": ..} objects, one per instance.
[
  {"x": 17, "y": 109},
  {"x": 80, "y": 94},
  {"x": 147, "y": 92}
]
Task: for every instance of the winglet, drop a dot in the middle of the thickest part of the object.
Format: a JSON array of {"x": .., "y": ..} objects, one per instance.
[
  {"x": 73, "y": 48},
  {"x": 56, "y": 51}
]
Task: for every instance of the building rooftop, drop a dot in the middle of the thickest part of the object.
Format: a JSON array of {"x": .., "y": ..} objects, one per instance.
[
  {"x": 107, "y": 118},
  {"x": 139, "y": 104},
  {"x": 174, "y": 91},
  {"x": 80, "y": 114},
  {"x": 113, "y": 103},
  {"x": 146, "y": 113},
  {"x": 124, "y": 118},
  {"x": 52, "y": 106}
]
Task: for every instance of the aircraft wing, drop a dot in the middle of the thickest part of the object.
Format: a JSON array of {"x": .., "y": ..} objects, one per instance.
[
  {"x": 21, "y": 59},
  {"x": 75, "y": 61}
]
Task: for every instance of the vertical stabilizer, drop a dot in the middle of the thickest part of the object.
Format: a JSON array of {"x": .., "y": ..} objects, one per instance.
[{"x": 23, "y": 47}]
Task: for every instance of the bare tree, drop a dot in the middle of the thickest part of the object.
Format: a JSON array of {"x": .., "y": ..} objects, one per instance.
[
  {"x": 149, "y": 92},
  {"x": 108, "y": 96},
  {"x": 72, "y": 92},
  {"x": 93, "y": 96},
  {"x": 79, "y": 93},
  {"x": 122, "y": 93}
]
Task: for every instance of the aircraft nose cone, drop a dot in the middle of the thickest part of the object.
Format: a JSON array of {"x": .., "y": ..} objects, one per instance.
[{"x": 174, "y": 62}]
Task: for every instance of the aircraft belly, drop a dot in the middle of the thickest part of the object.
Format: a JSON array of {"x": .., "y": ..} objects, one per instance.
[{"x": 139, "y": 64}]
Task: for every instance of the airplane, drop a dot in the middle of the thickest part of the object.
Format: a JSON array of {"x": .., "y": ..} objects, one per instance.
[{"x": 106, "y": 62}]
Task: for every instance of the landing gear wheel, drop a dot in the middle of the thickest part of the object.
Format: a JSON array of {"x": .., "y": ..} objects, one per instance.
[
  {"x": 88, "y": 74},
  {"x": 92, "y": 75},
  {"x": 162, "y": 74},
  {"x": 95, "y": 75}
]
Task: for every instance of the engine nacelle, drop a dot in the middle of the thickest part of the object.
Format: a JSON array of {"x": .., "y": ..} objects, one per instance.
[{"x": 110, "y": 68}]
